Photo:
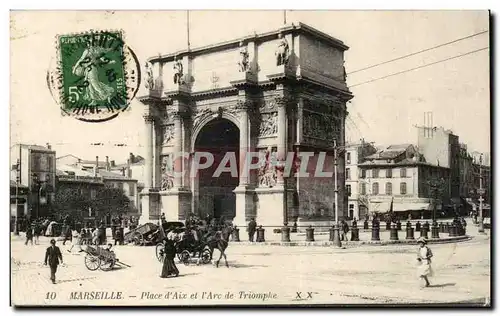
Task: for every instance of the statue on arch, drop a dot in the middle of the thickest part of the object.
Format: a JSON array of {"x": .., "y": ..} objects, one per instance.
[
  {"x": 283, "y": 51},
  {"x": 244, "y": 56},
  {"x": 149, "y": 83},
  {"x": 178, "y": 71}
]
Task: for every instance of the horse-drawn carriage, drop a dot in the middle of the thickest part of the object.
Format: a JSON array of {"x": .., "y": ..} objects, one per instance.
[
  {"x": 97, "y": 257},
  {"x": 189, "y": 244}
]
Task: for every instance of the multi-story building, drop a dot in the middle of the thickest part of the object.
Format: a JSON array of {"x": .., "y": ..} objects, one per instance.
[
  {"x": 466, "y": 172},
  {"x": 102, "y": 170},
  {"x": 481, "y": 173},
  {"x": 399, "y": 177},
  {"x": 441, "y": 148},
  {"x": 37, "y": 173},
  {"x": 354, "y": 155}
]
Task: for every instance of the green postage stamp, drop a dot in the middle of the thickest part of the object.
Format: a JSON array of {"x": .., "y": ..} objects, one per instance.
[{"x": 96, "y": 75}]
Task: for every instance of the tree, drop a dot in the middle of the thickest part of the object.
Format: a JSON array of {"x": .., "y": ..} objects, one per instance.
[
  {"x": 110, "y": 200},
  {"x": 70, "y": 202}
]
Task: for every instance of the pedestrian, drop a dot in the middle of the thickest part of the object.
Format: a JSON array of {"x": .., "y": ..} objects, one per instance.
[
  {"x": 118, "y": 237},
  {"x": 77, "y": 241},
  {"x": 169, "y": 268},
  {"x": 252, "y": 226},
  {"x": 67, "y": 234},
  {"x": 95, "y": 237},
  {"x": 29, "y": 235},
  {"x": 424, "y": 258},
  {"x": 54, "y": 256},
  {"x": 36, "y": 231}
]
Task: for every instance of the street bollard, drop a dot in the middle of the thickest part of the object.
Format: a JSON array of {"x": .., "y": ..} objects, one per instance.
[
  {"x": 394, "y": 232},
  {"x": 236, "y": 234},
  {"x": 417, "y": 226},
  {"x": 447, "y": 228},
  {"x": 409, "y": 231},
  {"x": 309, "y": 233},
  {"x": 455, "y": 229},
  {"x": 387, "y": 225},
  {"x": 435, "y": 230},
  {"x": 285, "y": 233},
  {"x": 260, "y": 234},
  {"x": 294, "y": 227},
  {"x": 423, "y": 232},
  {"x": 427, "y": 227},
  {"x": 441, "y": 227},
  {"x": 365, "y": 224},
  {"x": 375, "y": 231},
  {"x": 354, "y": 233},
  {"x": 398, "y": 225},
  {"x": 336, "y": 236},
  {"x": 332, "y": 233}
]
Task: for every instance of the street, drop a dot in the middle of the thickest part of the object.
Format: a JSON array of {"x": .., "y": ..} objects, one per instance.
[{"x": 259, "y": 275}]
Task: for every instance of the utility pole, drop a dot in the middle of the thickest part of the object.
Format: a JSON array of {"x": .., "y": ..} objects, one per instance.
[
  {"x": 481, "y": 192},
  {"x": 18, "y": 179},
  {"x": 336, "y": 190}
]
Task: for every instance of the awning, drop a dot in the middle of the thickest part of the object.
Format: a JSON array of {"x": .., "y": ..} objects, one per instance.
[{"x": 403, "y": 207}]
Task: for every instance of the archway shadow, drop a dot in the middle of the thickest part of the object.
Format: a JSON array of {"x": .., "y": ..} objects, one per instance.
[{"x": 442, "y": 285}]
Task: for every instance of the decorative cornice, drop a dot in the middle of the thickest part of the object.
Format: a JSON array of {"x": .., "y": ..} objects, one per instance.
[
  {"x": 178, "y": 95},
  {"x": 152, "y": 100},
  {"x": 148, "y": 118},
  {"x": 213, "y": 93}
]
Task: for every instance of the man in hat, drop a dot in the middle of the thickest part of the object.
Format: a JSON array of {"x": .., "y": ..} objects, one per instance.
[
  {"x": 424, "y": 257},
  {"x": 54, "y": 257}
]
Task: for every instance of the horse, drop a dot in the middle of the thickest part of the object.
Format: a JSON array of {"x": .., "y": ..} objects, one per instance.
[{"x": 220, "y": 241}]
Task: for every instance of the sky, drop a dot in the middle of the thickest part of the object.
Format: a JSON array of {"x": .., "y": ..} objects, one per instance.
[{"x": 383, "y": 111}]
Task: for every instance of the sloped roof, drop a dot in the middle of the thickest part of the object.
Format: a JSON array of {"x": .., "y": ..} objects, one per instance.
[
  {"x": 390, "y": 152},
  {"x": 108, "y": 175}
]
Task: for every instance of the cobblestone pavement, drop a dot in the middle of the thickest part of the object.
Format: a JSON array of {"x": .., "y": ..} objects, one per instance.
[{"x": 288, "y": 275}]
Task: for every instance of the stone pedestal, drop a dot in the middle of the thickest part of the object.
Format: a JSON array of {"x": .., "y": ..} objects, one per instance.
[
  {"x": 270, "y": 207},
  {"x": 245, "y": 209},
  {"x": 150, "y": 207},
  {"x": 176, "y": 204}
]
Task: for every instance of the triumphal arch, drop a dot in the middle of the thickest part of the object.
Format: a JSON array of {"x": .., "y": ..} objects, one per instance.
[{"x": 278, "y": 94}]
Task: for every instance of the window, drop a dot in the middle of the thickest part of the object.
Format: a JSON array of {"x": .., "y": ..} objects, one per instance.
[
  {"x": 388, "y": 188},
  {"x": 375, "y": 173},
  {"x": 388, "y": 173},
  {"x": 375, "y": 188},
  {"x": 348, "y": 158},
  {"x": 348, "y": 189},
  {"x": 131, "y": 189},
  {"x": 402, "y": 187},
  {"x": 363, "y": 173},
  {"x": 120, "y": 185},
  {"x": 403, "y": 172},
  {"x": 363, "y": 188},
  {"x": 348, "y": 173},
  {"x": 93, "y": 193}
]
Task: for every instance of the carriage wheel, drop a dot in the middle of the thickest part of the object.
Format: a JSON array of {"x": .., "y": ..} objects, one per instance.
[
  {"x": 92, "y": 262},
  {"x": 107, "y": 265},
  {"x": 206, "y": 256},
  {"x": 160, "y": 252},
  {"x": 185, "y": 257},
  {"x": 138, "y": 239}
]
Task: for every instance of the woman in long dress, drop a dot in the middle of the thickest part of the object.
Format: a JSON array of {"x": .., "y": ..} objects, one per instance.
[
  {"x": 169, "y": 267},
  {"x": 424, "y": 256}
]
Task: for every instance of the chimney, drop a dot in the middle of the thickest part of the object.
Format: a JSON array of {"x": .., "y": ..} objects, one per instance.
[
  {"x": 96, "y": 168},
  {"x": 123, "y": 171},
  {"x": 49, "y": 147},
  {"x": 129, "y": 171},
  {"x": 132, "y": 158},
  {"x": 108, "y": 167},
  {"x": 113, "y": 163}
]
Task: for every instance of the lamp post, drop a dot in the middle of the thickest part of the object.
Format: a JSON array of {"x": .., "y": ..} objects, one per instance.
[{"x": 481, "y": 191}]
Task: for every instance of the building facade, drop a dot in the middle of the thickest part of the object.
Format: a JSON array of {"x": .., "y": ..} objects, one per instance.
[
  {"x": 355, "y": 154},
  {"x": 399, "y": 178},
  {"x": 38, "y": 174},
  {"x": 273, "y": 93}
]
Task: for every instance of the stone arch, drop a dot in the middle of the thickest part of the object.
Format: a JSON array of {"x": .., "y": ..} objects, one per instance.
[{"x": 208, "y": 118}]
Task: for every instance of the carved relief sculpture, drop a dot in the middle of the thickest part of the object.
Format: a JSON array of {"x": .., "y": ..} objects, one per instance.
[
  {"x": 178, "y": 71},
  {"x": 168, "y": 134},
  {"x": 243, "y": 63},
  {"x": 267, "y": 172},
  {"x": 268, "y": 124},
  {"x": 167, "y": 177},
  {"x": 318, "y": 126},
  {"x": 282, "y": 52},
  {"x": 149, "y": 83}
]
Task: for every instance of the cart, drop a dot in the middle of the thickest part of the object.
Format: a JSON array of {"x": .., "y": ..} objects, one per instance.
[
  {"x": 99, "y": 258},
  {"x": 146, "y": 234}
]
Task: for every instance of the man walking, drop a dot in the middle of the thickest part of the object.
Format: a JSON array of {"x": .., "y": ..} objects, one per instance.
[
  {"x": 252, "y": 226},
  {"x": 29, "y": 234},
  {"x": 54, "y": 257}
]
